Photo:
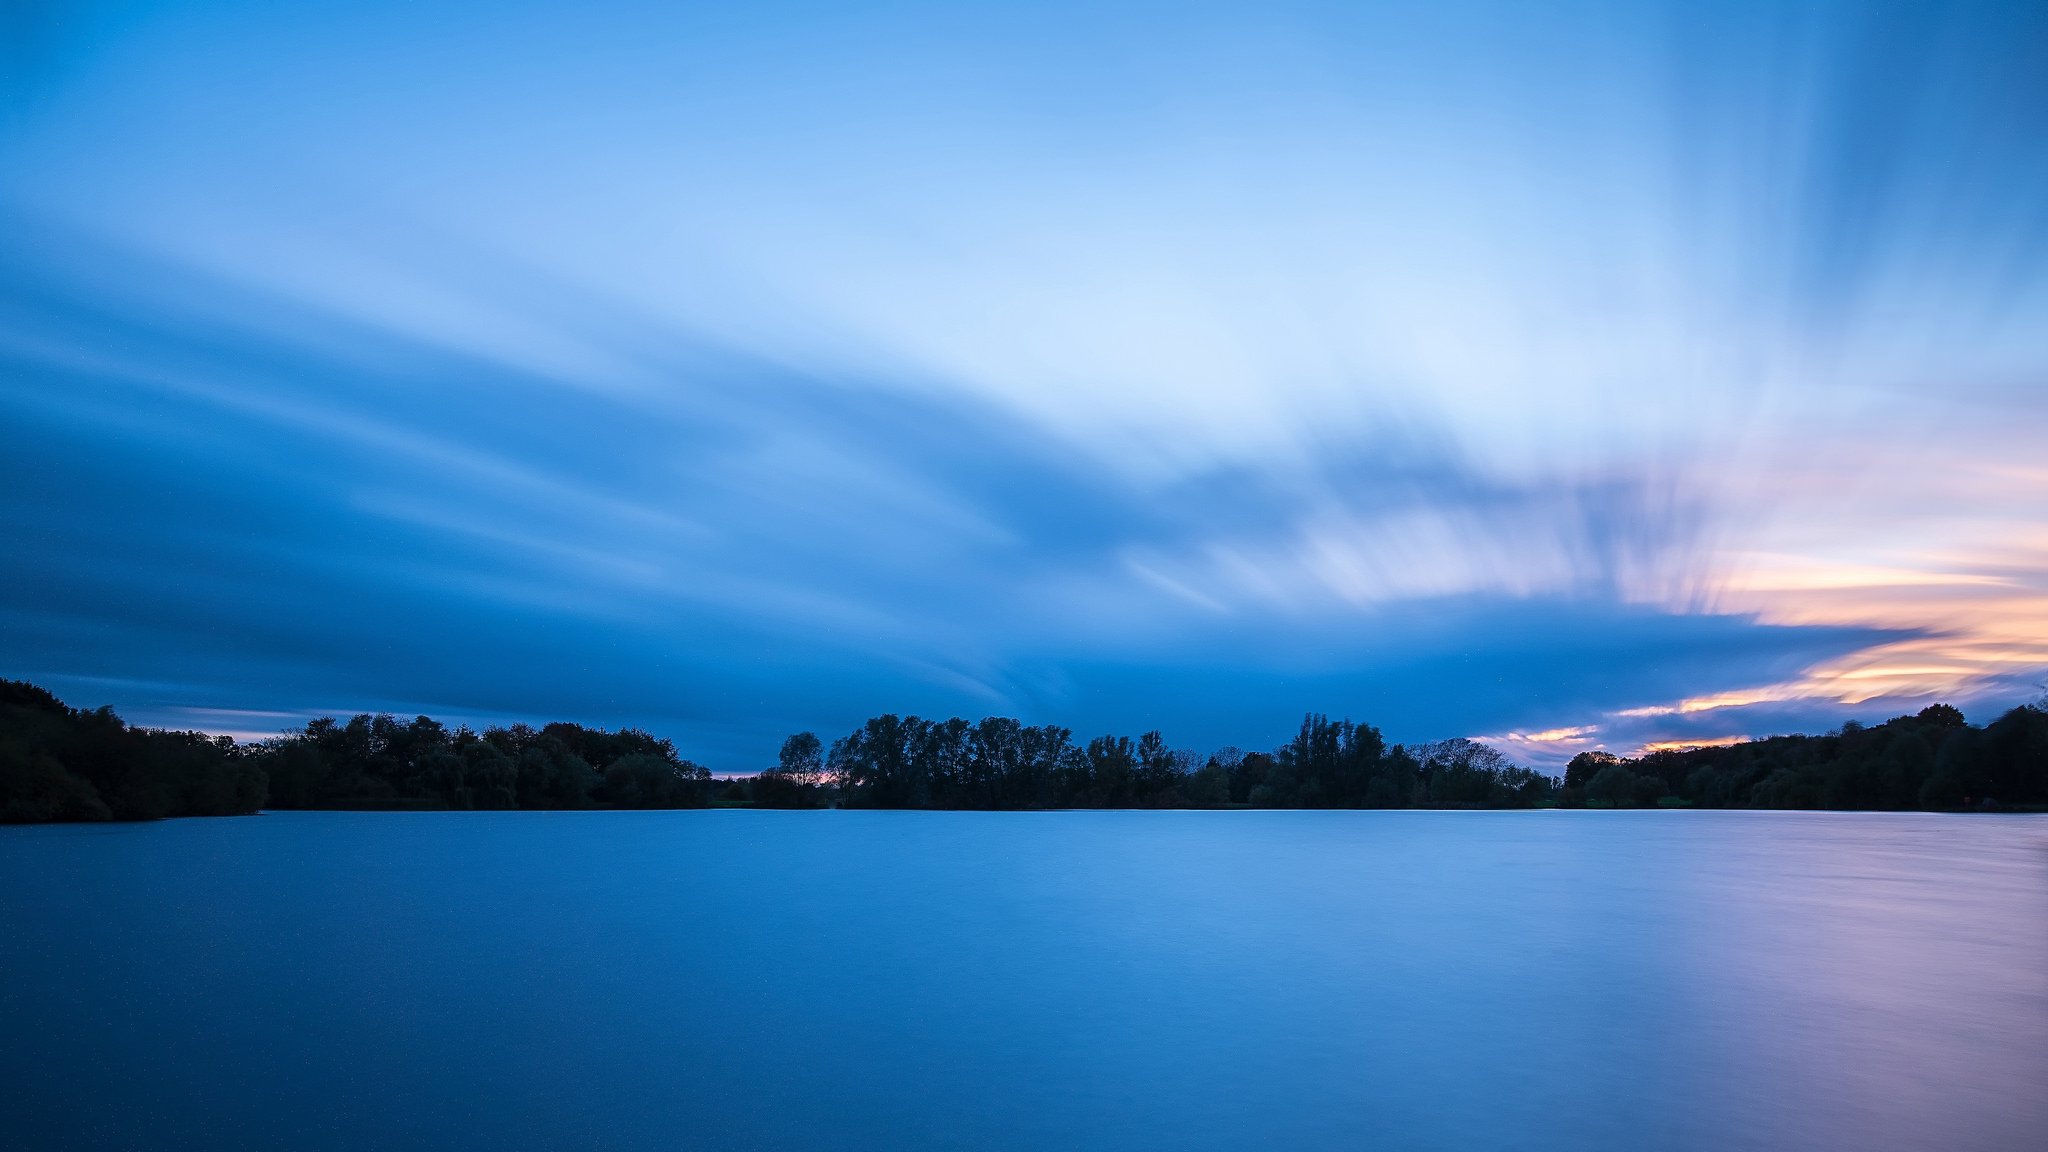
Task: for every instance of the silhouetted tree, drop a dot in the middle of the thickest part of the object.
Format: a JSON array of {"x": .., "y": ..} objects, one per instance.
[
  {"x": 62, "y": 763},
  {"x": 798, "y": 780},
  {"x": 59, "y": 763},
  {"x": 1614, "y": 784}
]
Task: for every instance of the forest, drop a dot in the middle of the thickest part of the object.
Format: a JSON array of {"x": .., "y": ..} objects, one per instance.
[
  {"x": 60, "y": 763},
  {"x": 63, "y": 764},
  {"x": 905, "y": 762},
  {"x": 1933, "y": 759}
]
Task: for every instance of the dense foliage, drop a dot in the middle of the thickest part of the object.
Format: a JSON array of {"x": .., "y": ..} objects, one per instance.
[
  {"x": 905, "y": 762},
  {"x": 1929, "y": 760},
  {"x": 59, "y": 763},
  {"x": 383, "y": 762}
]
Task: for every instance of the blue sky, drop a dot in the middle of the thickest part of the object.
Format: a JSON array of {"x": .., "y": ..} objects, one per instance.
[{"x": 1583, "y": 375}]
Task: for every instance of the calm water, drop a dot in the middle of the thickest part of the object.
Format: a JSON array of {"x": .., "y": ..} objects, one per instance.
[{"x": 1301, "y": 980}]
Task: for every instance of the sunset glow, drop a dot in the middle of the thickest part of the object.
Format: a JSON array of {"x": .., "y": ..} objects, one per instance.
[{"x": 1625, "y": 376}]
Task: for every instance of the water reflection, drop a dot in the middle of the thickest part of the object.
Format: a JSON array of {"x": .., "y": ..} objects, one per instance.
[{"x": 1020, "y": 980}]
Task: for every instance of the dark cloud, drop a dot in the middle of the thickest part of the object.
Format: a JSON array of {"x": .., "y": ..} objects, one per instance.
[
  {"x": 1466, "y": 371},
  {"x": 292, "y": 515}
]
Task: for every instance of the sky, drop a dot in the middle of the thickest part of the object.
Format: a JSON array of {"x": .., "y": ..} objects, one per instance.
[{"x": 1568, "y": 376}]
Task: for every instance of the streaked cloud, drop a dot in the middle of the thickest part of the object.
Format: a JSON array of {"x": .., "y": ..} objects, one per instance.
[{"x": 1619, "y": 375}]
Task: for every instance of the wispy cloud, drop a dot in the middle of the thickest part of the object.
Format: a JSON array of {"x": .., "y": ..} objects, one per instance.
[{"x": 1669, "y": 375}]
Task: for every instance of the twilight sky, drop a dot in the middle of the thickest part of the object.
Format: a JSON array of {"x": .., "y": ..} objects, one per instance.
[{"x": 1571, "y": 375}]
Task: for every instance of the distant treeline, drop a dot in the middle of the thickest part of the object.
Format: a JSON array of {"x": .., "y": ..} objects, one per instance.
[
  {"x": 1929, "y": 760},
  {"x": 905, "y": 762},
  {"x": 59, "y": 763}
]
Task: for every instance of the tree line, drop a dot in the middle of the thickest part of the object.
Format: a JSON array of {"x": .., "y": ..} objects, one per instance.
[
  {"x": 1933, "y": 760},
  {"x": 998, "y": 763},
  {"x": 60, "y": 763}
]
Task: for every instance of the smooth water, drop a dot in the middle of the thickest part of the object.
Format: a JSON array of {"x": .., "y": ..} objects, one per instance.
[{"x": 1074, "y": 980}]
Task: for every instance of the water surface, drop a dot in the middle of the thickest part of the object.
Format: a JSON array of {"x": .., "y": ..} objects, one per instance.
[{"x": 1076, "y": 980}]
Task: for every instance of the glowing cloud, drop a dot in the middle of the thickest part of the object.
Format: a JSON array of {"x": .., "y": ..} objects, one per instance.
[{"x": 1625, "y": 375}]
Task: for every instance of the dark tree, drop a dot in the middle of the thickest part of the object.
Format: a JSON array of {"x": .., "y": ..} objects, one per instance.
[{"x": 59, "y": 763}]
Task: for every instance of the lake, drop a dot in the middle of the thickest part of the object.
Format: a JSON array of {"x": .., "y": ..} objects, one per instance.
[{"x": 1063, "y": 980}]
